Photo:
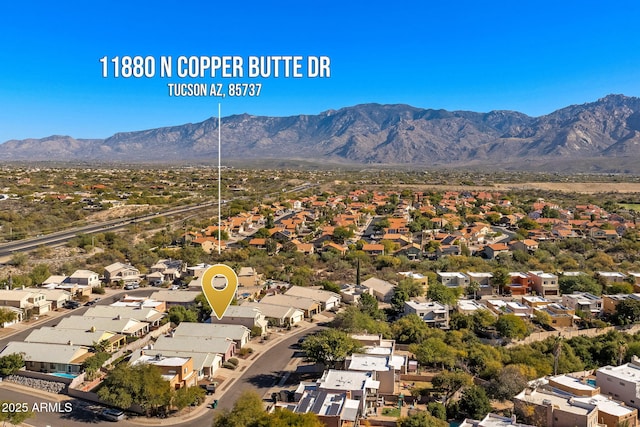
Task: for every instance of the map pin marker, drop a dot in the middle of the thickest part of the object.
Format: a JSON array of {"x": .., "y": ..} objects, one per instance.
[{"x": 219, "y": 297}]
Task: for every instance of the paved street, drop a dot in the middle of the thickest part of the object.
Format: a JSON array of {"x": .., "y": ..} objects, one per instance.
[{"x": 261, "y": 372}]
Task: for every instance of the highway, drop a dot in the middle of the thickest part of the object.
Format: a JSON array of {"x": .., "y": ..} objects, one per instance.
[{"x": 61, "y": 237}]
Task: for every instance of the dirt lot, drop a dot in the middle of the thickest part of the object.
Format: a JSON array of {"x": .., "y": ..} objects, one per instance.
[{"x": 576, "y": 187}]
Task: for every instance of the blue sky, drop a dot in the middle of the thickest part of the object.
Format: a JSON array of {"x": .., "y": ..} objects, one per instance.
[{"x": 533, "y": 57}]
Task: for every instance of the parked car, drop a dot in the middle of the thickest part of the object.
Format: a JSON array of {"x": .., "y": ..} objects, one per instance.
[
  {"x": 71, "y": 304},
  {"x": 112, "y": 414}
]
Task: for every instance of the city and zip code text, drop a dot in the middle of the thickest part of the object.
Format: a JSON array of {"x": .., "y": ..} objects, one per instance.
[{"x": 220, "y": 90}]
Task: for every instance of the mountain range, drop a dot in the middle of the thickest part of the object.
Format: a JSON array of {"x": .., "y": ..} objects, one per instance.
[{"x": 600, "y": 136}]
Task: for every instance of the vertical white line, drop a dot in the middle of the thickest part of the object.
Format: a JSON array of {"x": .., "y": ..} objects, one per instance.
[{"x": 219, "y": 188}]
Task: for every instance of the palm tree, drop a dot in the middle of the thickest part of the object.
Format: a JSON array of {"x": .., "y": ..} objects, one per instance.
[{"x": 557, "y": 351}]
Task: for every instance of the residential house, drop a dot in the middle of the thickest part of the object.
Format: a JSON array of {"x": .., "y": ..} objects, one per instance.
[
  {"x": 309, "y": 306},
  {"x": 611, "y": 276},
  {"x": 332, "y": 409},
  {"x": 205, "y": 365},
  {"x": 248, "y": 276},
  {"x": 560, "y": 315},
  {"x": 381, "y": 289},
  {"x": 206, "y": 344},
  {"x": 416, "y": 277},
  {"x": 171, "y": 269},
  {"x": 432, "y": 313},
  {"x": 636, "y": 281},
  {"x": 610, "y": 302},
  {"x": 545, "y": 284},
  {"x": 493, "y": 420},
  {"x": 373, "y": 249},
  {"x": 518, "y": 283},
  {"x": 30, "y": 302},
  {"x": 328, "y": 300},
  {"x": 621, "y": 382},
  {"x": 118, "y": 271},
  {"x": 386, "y": 368},
  {"x": 494, "y": 250},
  {"x": 177, "y": 370},
  {"x": 554, "y": 410},
  {"x": 278, "y": 315},
  {"x": 332, "y": 246},
  {"x": 249, "y": 317},
  {"x": 484, "y": 279},
  {"x": 57, "y": 297},
  {"x": 519, "y": 309},
  {"x": 85, "y": 278},
  {"x": 359, "y": 385},
  {"x": 237, "y": 333},
  {"x": 86, "y": 338},
  {"x": 469, "y": 306},
  {"x": 124, "y": 326},
  {"x": 584, "y": 302},
  {"x": 351, "y": 293},
  {"x": 535, "y": 301},
  {"x": 49, "y": 358},
  {"x": 140, "y": 302},
  {"x": 453, "y": 279},
  {"x": 148, "y": 315},
  {"x": 526, "y": 245},
  {"x": 567, "y": 401},
  {"x": 173, "y": 298},
  {"x": 209, "y": 244}
]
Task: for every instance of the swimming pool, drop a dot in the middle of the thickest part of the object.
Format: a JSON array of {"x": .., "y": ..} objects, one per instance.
[{"x": 64, "y": 375}]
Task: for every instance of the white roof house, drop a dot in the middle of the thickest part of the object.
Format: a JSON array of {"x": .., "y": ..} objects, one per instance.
[
  {"x": 278, "y": 314},
  {"x": 143, "y": 314},
  {"x": 238, "y": 333},
  {"x": 45, "y": 357},
  {"x": 328, "y": 299},
  {"x": 85, "y": 277},
  {"x": 125, "y": 326},
  {"x": 433, "y": 313},
  {"x": 381, "y": 289}
]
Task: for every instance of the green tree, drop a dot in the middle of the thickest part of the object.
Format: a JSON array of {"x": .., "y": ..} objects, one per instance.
[
  {"x": 186, "y": 396},
  {"x": 443, "y": 294},
  {"x": 434, "y": 352},
  {"x": 11, "y": 363},
  {"x": 355, "y": 320},
  {"x": 510, "y": 381},
  {"x": 421, "y": 419},
  {"x": 93, "y": 364},
  {"x": 627, "y": 312},
  {"x": 500, "y": 278},
  {"x": 286, "y": 418},
  {"x": 330, "y": 347},
  {"x": 410, "y": 329},
  {"x": 474, "y": 403},
  {"x": 141, "y": 384},
  {"x": 579, "y": 283},
  {"x": 451, "y": 381},
  {"x": 6, "y": 316},
  {"x": 247, "y": 411},
  {"x": 262, "y": 233},
  {"x": 14, "y": 413},
  {"x": 39, "y": 273},
  {"x": 512, "y": 327},
  {"x": 178, "y": 314},
  {"x": 341, "y": 234},
  {"x": 368, "y": 304}
]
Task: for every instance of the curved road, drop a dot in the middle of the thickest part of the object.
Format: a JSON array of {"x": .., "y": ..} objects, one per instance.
[{"x": 265, "y": 372}]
